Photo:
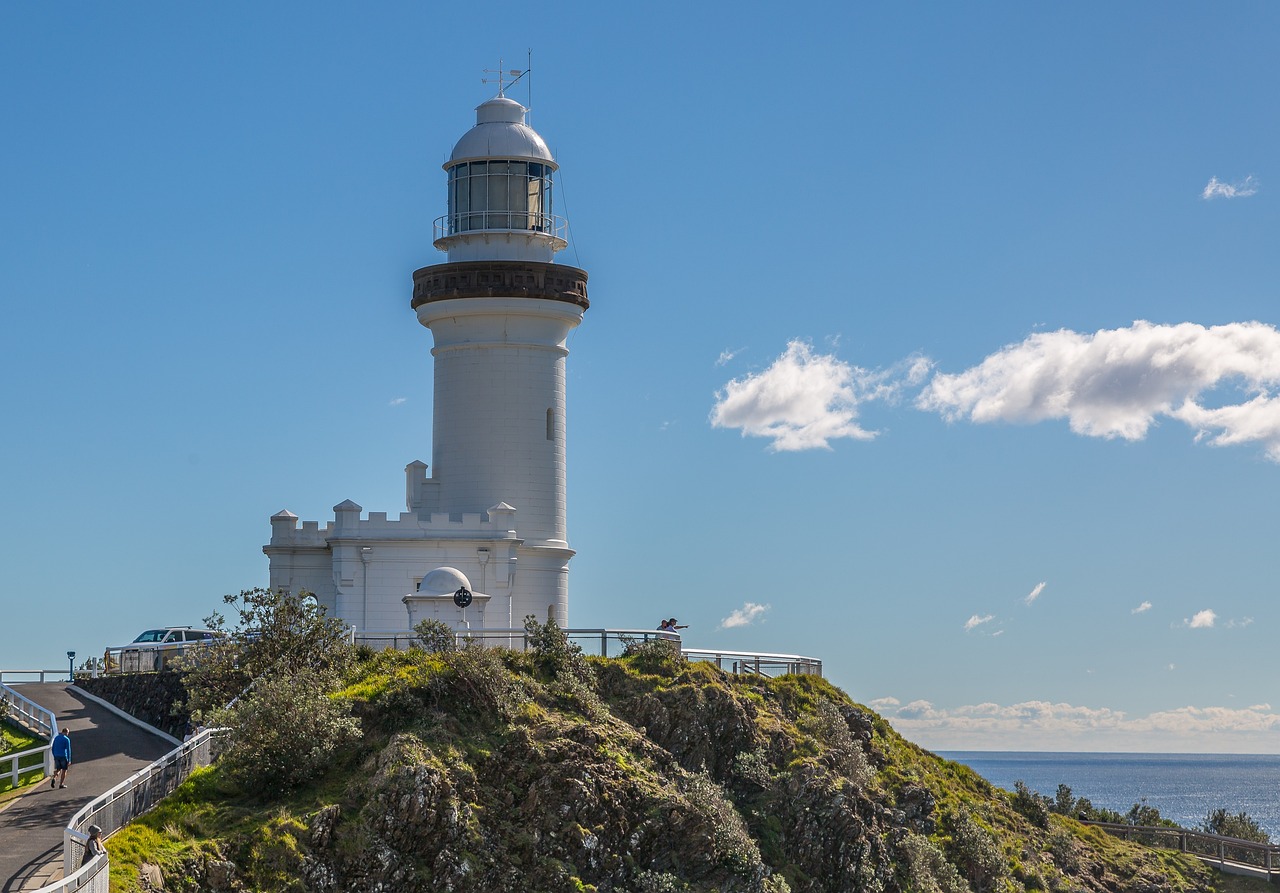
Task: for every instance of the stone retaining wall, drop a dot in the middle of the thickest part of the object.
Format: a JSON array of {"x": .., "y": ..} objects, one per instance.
[{"x": 148, "y": 696}]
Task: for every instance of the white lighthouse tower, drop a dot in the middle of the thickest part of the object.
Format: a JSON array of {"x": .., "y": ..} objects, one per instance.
[
  {"x": 490, "y": 516},
  {"x": 500, "y": 311}
]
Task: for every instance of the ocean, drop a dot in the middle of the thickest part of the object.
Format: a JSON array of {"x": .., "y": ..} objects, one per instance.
[{"x": 1184, "y": 787}]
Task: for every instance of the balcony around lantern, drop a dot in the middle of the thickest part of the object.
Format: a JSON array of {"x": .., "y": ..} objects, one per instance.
[{"x": 450, "y": 229}]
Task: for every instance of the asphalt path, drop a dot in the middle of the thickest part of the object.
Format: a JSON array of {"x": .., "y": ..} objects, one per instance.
[{"x": 105, "y": 750}]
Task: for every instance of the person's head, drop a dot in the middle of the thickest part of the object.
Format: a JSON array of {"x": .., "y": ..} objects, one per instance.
[
  {"x": 66, "y": 731},
  {"x": 94, "y": 831}
]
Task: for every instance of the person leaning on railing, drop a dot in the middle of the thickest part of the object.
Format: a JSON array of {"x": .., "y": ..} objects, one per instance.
[{"x": 93, "y": 847}]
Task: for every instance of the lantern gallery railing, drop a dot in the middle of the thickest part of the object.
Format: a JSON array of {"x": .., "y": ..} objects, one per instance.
[
  {"x": 513, "y": 221},
  {"x": 610, "y": 643}
]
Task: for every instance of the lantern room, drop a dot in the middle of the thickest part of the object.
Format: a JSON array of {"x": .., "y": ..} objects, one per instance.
[{"x": 500, "y": 191}]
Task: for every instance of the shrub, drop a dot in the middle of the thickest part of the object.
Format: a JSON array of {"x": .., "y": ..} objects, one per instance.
[
  {"x": 922, "y": 868},
  {"x": 1142, "y": 814},
  {"x": 284, "y": 732},
  {"x": 436, "y": 636},
  {"x": 1240, "y": 826},
  {"x": 1030, "y": 805},
  {"x": 657, "y": 657},
  {"x": 275, "y": 633},
  {"x": 845, "y": 752},
  {"x": 975, "y": 852},
  {"x": 554, "y": 654}
]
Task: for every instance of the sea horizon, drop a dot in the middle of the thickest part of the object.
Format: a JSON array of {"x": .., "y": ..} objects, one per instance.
[{"x": 1185, "y": 787}]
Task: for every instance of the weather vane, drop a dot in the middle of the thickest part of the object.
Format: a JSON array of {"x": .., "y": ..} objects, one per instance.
[{"x": 502, "y": 74}]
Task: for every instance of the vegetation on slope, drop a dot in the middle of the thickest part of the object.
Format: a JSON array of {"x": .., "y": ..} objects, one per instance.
[
  {"x": 484, "y": 769},
  {"x": 15, "y": 739}
]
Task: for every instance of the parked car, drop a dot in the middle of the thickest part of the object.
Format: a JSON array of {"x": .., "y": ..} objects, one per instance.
[{"x": 155, "y": 648}]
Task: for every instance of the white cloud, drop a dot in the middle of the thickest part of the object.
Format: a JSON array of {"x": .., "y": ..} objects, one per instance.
[
  {"x": 805, "y": 399},
  {"x": 1119, "y": 382},
  {"x": 1034, "y": 593},
  {"x": 802, "y": 401},
  {"x": 975, "y": 621},
  {"x": 396, "y": 401},
  {"x": 726, "y": 356},
  {"x": 1041, "y": 725},
  {"x": 1239, "y": 624},
  {"x": 1217, "y": 189},
  {"x": 1145, "y": 606},
  {"x": 744, "y": 616},
  {"x": 1202, "y": 620},
  {"x": 882, "y": 704}
]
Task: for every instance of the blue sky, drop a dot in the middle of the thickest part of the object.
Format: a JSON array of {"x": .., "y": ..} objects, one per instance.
[{"x": 937, "y": 341}]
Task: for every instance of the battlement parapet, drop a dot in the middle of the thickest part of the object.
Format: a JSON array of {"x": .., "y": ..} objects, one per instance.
[{"x": 497, "y": 524}]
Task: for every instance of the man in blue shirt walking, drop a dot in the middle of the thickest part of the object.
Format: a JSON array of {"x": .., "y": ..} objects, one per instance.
[{"x": 61, "y": 759}]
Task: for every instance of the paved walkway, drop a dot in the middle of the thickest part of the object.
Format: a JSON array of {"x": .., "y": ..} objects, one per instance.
[{"x": 105, "y": 750}]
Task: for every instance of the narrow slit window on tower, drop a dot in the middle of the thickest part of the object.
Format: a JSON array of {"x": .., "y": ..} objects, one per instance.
[{"x": 551, "y": 424}]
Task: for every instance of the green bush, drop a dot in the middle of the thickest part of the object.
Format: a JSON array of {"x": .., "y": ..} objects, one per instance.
[
  {"x": 284, "y": 732},
  {"x": 436, "y": 636},
  {"x": 657, "y": 657},
  {"x": 1030, "y": 805},
  {"x": 922, "y": 867},
  {"x": 1240, "y": 826},
  {"x": 976, "y": 853}
]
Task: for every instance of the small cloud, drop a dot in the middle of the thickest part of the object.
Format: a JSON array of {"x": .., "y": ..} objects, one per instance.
[
  {"x": 1202, "y": 620},
  {"x": 1217, "y": 189},
  {"x": 1034, "y": 593},
  {"x": 744, "y": 616},
  {"x": 665, "y": 425},
  {"x": 1239, "y": 624},
  {"x": 1142, "y": 608},
  {"x": 396, "y": 401},
  {"x": 805, "y": 399},
  {"x": 727, "y": 355},
  {"x": 1172, "y": 667},
  {"x": 998, "y": 632},
  {"x": 975, "y": 621},
  {"x": 882, "y": 704}
]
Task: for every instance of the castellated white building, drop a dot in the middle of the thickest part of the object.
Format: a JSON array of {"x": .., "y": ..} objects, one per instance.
[{"x": 488, "y": 515}]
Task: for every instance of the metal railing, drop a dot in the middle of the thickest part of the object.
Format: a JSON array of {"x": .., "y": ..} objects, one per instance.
[
  {"x": 743, "y": 662},
  {"x": 36, "y": 719},
  {"x": 609, "y": 643},
  {"x": 31, "y": 675},
  {"x": 508, "y": 221},
  {"x": 1226, "y": 852},
  {"x": 150, "y": 657},
  {"x": 137, "y": 794}
]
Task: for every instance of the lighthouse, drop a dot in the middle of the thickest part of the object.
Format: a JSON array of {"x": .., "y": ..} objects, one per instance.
[{"x": 489, "y": 513}]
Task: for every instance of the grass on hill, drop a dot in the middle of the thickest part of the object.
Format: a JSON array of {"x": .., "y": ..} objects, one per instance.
[
  {"x": 211, "y": 820},
  {"x": 15, "y": 739}
]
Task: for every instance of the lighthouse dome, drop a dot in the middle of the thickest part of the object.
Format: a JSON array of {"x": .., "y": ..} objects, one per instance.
[
  {"x": 444, "y": 581},
  {"x": 500, "y": 132}
]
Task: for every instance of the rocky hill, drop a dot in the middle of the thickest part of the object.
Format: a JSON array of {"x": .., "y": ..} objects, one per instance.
[{"x": 487, "y": 770}]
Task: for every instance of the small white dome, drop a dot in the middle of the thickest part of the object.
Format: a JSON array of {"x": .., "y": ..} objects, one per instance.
[
  {"x": 444, "y": 581},
  {"x": 500, "y": 132}
]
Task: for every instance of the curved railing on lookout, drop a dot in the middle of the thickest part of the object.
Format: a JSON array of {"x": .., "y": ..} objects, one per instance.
[
  {"x": 611, "y": 643},
  {"x": 134, "y": 796},
  {"x": 1230, "y": 854}
]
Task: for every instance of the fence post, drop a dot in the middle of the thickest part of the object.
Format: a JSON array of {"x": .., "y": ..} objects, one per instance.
[{"x": 604, "y": 643}]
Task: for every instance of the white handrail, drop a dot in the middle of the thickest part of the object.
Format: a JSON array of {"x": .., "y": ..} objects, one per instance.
[
  {"x": 137, "y": 794},
  {"x": 40, "y": 720},
  {"x": 7, "y": 675}
]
